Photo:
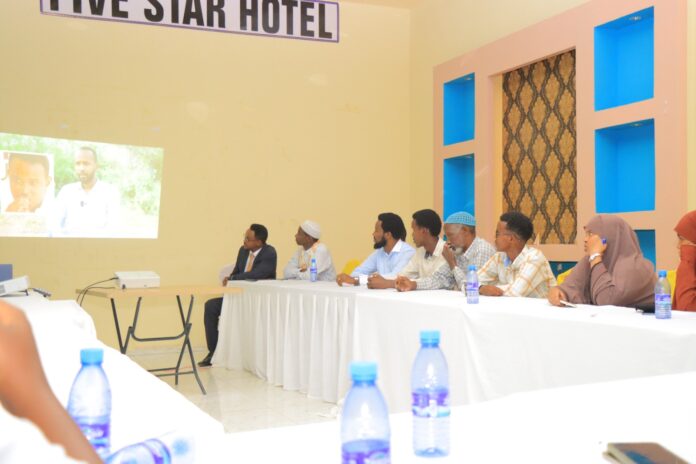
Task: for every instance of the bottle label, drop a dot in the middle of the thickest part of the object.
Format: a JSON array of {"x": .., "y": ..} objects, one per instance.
[
  {"x": 98, "y": 434},
  {"x": 472, "y": 292},
  {"x": 663, "y": 305},
  {"x": 430, "y": 403},
  {"x": 366, "y": 452}
]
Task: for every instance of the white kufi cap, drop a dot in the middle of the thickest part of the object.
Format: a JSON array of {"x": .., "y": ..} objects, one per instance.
[{"x": 312, "y": 229}]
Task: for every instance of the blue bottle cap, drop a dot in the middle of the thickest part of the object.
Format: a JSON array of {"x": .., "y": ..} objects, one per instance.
[
  {"x": 91, "y": 356},
  {"x": 363, "y": 371},
  {"x": 430, "y": 337},
  {"x": 472, "y": 267},
  {"x": 662, "y": 274}
]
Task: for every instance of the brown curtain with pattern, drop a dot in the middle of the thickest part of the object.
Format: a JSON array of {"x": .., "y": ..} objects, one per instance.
[{"x": 539, "y": 146}]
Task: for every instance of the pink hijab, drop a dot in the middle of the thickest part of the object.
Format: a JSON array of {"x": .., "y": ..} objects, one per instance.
[{"x": 631, "y": 274}]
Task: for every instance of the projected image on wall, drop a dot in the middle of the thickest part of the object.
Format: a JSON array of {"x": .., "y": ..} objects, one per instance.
[{"x": 68, "y": 188}]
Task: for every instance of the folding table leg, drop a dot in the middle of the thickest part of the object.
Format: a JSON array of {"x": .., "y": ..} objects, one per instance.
[
  {"x": 131, "y": 329},
  {"x": 187, "y": 343},
  {"x": 118, "y": 327}
]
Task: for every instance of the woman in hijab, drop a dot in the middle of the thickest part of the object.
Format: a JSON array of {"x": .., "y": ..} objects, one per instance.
[
  {"x": 614, "y": 271},
  {"x": 685, "y": 288}
]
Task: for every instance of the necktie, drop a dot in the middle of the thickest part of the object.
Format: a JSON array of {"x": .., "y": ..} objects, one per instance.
[{"x": 250, "y": 262}]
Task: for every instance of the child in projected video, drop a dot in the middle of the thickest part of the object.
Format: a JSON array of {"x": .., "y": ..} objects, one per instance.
[
  {"x": 30, "y": 177},
  {"x": 88, "y": 207}
]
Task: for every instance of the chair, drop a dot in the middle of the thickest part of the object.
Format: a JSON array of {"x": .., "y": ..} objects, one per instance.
[
  {"x": 562, "y": 276},
  {"x": 672, "y": 279},
  {"x": 350, "y": 266},
  {"x": 5, "y": 272},
  {"x": 225, "y": 271}
]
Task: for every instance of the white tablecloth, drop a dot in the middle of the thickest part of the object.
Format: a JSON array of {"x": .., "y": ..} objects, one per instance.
[
  {"x": 508, "y": 345},
  {"x": 291, "y": 333},
  {"x": 566, "y": 425},
  {"x": 302, "y": 336},
  {"x": 143, "y": 406}
]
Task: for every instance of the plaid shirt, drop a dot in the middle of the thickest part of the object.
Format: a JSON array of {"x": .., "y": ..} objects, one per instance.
[
  {"x": 478, "y": 253},
  {"x": 528, "y": 275}
]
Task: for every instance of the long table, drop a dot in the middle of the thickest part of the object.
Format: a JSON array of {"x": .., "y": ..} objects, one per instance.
[
  {"x": 143, "y": 406},
  {"x": 301, "y": 336},
  {"x": 570, "y": 425}
]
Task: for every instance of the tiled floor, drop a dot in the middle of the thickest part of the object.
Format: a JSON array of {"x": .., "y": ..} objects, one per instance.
[{"x": 238, "y": 399}]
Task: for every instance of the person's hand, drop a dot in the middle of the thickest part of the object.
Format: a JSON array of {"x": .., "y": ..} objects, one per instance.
[
  {"x": 224, "y": 281},
  {"x": 20, "y": 205},
  {"x": 404, "y": 284},
  {"x": 556, "y": 295},
  {"x": 376, "y": 281},
  {"x": 346, "y": 279},
  {"x": 303, "y": 268},
  {"x": 24, "y": 390},
  {"x": 490, "y": 290},
  {"x": 450, "y": 257},
  {"x": 595, "y": 245},
  {"x": 19, "y": 361}
]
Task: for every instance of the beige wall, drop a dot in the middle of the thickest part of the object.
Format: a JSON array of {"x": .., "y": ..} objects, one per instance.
[
  {"x": 444, "y": 29},
  {"x": 253, "y": 129}
]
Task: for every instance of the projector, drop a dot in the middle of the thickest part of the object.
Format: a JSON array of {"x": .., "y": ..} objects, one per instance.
[
  {"x": 137, "y": 279},
  {"x": 20, "y": 284}
]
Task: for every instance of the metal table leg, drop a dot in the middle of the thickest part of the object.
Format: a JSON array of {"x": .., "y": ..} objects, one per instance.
[
  {"x": 185, "y": 333},
  {"x": 118, "y": 326}
]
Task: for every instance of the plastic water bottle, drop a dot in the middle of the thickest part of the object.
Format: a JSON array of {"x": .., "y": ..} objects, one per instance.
[
  {"x": 90, "y": 401},
  {"x": 172, "y": 448},
  {"x": 663, "y": 297},
  {"x": 313, "y": 270},
  {"x": 365, "y": 430},
  {"x": 472, "y": 286},
  {"x": 430, "y": 398}
]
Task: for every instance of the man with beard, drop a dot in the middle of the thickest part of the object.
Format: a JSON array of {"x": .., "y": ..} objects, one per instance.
[
  {"x": 391, "y": 253},
  {"x": 90, "y": 206},
  {"x": 463, "y": 249}
]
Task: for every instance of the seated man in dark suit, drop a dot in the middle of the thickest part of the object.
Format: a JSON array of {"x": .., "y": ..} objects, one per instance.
[{"x": 255, "y": 260}]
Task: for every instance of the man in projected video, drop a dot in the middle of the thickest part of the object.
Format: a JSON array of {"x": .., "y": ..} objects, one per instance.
[
  {"x": 88, "y": 207},
  {"x": 30, "y": 177}
]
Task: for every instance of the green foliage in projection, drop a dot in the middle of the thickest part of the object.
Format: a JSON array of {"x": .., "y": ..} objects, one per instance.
[{"x": 135, "y": 171}]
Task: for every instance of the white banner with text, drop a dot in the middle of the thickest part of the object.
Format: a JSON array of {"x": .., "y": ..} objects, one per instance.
[{"x": 296, "y": 19}]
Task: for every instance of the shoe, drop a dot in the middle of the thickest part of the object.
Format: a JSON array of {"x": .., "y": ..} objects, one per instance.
[{"x": 207, "y": 361}]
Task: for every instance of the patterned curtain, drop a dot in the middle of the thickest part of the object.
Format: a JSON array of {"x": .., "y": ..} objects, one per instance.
[{"x": 539, "y": 147}]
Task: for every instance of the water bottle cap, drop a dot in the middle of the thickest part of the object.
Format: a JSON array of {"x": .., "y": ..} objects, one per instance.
[
  {"x": 91, "y": 356},
  {"x": 430, "y": 337},
  {"x": 472, "y": 267},
  {"x": 363, "y": 371},
  {"x": 662, "y": 274},
  {"x": 314, "y": 260}
]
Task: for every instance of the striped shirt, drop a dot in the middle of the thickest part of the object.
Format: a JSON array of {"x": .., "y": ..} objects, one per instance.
[
  {"x": 528, "y": 275},
  {"x": 478, "y": 253}
]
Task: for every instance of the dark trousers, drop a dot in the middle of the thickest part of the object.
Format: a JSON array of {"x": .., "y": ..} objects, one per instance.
[{"x": 213, "y": 308}]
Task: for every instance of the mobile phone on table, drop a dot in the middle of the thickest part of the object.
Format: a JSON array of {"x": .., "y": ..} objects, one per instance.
[
  {"x": 568, "y": 303},
  {"x": 642, "y": 453}
]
